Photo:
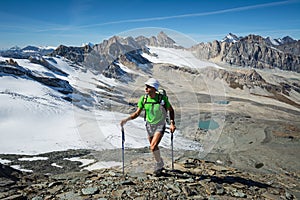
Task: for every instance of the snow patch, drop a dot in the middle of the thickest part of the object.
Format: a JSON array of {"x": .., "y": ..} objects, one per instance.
[
  {"x": 56, "y": 165},
  {"x": 33, "y": 158},
  {"x": 18, "y": 167},
  {"x": 84, "y": 162},
  {"x": 178, "y": 57},
  {"x": 102, "y": 165},
  {"x": 4, "y": 161}
]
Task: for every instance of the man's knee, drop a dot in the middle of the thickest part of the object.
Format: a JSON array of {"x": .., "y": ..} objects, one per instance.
[
  {"x": 153, "y": 147},
  {"x": 155, "y": 141}
]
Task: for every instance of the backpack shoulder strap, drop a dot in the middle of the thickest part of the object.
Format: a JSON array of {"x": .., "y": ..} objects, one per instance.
[
  {"x": 145, "y": 100},
  {"x": 160, "y": 96}
]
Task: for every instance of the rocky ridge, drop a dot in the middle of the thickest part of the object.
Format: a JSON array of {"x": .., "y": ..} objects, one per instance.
[
  {"x": 252, "y": 50},
  {"x": 250, "y": 80},
  {"x": 75, "y": 54},
  {"x": 162, "y": 40},
  {"x": 191, "y": 179},
  {"x": 101, "y": 58}
]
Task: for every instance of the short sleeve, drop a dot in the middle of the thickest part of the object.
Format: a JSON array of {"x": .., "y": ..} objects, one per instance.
[
  {"x": 166, "y": 100},
  {"x": 140, "y": 102}
]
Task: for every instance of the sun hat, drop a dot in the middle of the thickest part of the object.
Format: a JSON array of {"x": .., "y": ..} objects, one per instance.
[{"x": 153, "y": 83}]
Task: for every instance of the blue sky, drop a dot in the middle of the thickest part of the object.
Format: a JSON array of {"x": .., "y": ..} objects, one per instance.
[{"x": 74, "y": 22}]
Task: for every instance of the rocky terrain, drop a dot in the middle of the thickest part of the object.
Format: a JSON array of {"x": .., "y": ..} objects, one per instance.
[{"x": 191, "y": 179}]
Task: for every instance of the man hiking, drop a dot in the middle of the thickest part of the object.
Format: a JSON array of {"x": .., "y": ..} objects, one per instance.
[{"x": 156, "y": 106}]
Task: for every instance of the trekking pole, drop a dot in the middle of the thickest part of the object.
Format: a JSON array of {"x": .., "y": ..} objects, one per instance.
[
  {"x": 123, "y": 140},
  {"x": 172, "y": 151}
]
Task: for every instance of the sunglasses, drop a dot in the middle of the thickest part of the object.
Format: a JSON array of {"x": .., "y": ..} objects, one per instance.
[{"x": 147, "y": 87}]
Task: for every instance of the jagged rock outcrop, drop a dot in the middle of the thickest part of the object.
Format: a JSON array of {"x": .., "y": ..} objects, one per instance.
[
  {"x": 114, "y": 71},
  {"x": 104, "y": 54},
  {"x": 112, "y": 48},
  {"x": 162, "y": 40},
  {"x": 292, "y": 47},
  {"x": 253, "y": 51},
  {"x": 132, "y": 60},
  {"x": 75, "y": 54},
  {"x": 116, "y": 46}
]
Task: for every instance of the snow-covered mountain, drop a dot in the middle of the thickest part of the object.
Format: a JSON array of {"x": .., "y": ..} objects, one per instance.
[
  {"x": 230, "y": 38},
  {"x": 52, "y": 103},
  {"x": 88, "y": 44},
  {"x": 280, "y": 41},
  {"x": 75, "y": 97}
]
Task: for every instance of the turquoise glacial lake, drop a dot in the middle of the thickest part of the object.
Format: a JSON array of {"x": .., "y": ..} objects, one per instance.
[{"x": 208, "y": 124}]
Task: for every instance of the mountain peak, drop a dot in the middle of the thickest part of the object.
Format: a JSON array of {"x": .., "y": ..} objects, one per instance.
[
  {"x": 280, "y": 41},
  {"x": 30, "y": 48},
  {"x": 162, "y": 34},
  {"x": 272, "y": 41},
  {"x": 14, "y": 48},
  {"x": 287, "y": 40},
  {"x": 87, "y": 44},
  {"x": 164, "y": 40},
  {"x": 230, "y": 38},
  {"x": 161, "y": 40}
]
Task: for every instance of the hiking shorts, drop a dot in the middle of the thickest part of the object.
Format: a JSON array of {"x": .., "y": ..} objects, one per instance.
[{"x": 154, "y": 128}]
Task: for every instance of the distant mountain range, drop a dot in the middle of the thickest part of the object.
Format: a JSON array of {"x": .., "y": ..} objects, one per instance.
[
  {"x": 108, "y": 57},
  {"x": 232, "y": 38},
  {"x": 250, "y": 51},
  {"x": 17, "y": 52}
]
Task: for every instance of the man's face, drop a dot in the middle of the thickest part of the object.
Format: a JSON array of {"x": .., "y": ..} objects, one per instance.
[{"x": 149, "y": 89}]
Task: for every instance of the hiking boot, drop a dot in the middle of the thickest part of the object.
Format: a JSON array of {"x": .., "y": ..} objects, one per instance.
[{"x": 159, "y": 167}]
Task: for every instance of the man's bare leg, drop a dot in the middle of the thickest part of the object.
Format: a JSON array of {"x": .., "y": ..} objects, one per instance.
[{"x": 154, "y": 141}]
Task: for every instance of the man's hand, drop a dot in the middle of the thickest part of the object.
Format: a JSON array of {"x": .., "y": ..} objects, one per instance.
[
  {"x": 123, "y": 122},
  {"x": 131, "y": 117},
  {"x": 172, "y": 128}
]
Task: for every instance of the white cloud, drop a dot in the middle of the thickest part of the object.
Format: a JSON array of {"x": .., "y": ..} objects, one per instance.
[{"x": 251, "y": 7}]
